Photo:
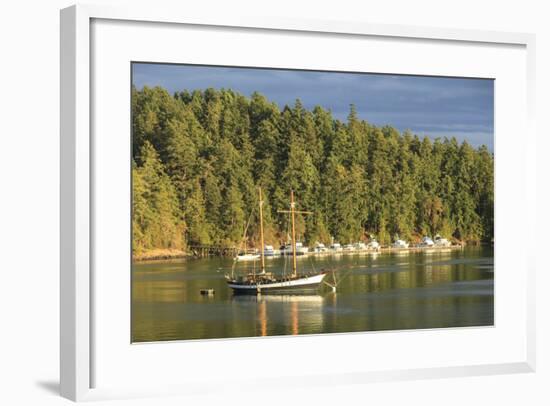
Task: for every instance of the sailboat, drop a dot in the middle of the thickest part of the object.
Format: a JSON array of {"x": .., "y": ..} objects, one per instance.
[
  {"x": 247, "y": 257},
  {"x": 265, "y": 282}
]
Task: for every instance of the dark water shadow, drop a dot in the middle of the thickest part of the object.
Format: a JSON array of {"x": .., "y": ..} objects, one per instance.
[{"x": 52, "y": 387}]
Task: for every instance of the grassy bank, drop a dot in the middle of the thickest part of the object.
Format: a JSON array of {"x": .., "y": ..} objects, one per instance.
[{"x": 159, "y": 253}]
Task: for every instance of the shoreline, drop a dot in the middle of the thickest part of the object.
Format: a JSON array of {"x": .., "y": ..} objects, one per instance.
[
  {"x": 172, "y": 254},
  {"x": 160, "y": 255}
]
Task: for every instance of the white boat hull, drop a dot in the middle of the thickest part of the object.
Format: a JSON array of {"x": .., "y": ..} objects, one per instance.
[
  {"x": 248, "y": 257},
  {"x": 306, "y": 283}
]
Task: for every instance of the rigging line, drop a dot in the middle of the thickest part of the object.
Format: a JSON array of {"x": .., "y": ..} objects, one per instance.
[
  {"x": 242, "y": 243},
  {"x": 246, "y": 228},
  {"x": 254, "y": 269},
  {"x": 312, "y": 264},
  {"x": 345, "y": 275},
  {"x": 285, "y": 262},
  {"x": 287, "y": 257}
]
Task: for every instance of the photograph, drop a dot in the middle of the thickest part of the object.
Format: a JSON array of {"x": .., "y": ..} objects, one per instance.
[
  {"x": 283, "y": 202},
  {"x": 325, "y": 188}
]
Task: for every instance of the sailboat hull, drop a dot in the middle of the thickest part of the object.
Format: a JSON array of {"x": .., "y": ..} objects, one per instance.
[
  {"x": 247, "y": 257},
  {"x": 299, "y": 285}
]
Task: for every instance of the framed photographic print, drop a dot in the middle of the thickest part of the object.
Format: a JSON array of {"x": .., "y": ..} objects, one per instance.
[
  {"x": 260, "y": 191},
  {"x": 397, "y": 232}
]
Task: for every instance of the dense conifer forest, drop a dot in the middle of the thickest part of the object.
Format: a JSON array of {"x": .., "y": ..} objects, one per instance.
[{"x": 199, "y": 157}]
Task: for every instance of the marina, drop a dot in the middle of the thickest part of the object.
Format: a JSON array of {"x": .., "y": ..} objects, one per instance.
[{"x": 320, "y": 249}]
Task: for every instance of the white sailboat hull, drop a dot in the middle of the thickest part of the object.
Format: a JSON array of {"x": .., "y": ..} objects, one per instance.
[
  {"x": 305, "y": 283},
  {"x": 248, "y": 257}
]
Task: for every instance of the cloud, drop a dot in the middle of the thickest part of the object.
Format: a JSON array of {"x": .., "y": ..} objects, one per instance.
[{"x": 428, "y": 105}]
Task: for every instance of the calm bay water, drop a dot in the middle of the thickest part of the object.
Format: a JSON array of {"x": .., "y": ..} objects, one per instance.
[{"x": 381, "y": 292}]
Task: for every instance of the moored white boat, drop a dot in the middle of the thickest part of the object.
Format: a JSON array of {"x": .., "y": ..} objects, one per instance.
[
  {"x": 319, "y": 247},
  {"x": 426, "y": 242},
  {"x": 300, "y": 249},
  {"x": 373, "y": 245},
  {"x": 400, "y": 244},
  {"x": 360, "y": 246},
  {"x": 441, "y": 242},
  {"x": 247, "y": 257}
]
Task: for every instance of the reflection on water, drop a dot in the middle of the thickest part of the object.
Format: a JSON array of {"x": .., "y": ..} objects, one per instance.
[{"x": 383, "y": 292}]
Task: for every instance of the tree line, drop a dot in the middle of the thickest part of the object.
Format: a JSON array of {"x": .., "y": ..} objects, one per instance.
[{"x": 199, "y": 156}]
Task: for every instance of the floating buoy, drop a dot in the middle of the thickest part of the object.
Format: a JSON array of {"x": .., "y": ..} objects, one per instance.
[{"x": 209, "y": 291}]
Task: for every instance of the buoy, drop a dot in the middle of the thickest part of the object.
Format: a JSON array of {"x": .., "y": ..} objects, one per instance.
[{"x": 208, "y": 291}]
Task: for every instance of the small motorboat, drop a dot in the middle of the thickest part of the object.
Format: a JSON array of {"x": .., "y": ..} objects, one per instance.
[
  {"x": 320, "y": 247},
  {"x": 426, "y": 242},
  {"x": 373, "y": 245},
  {"x": 247, "y": 257},
  {"x": 288, "y": 250},
  {"x": 441, "y": 242},
  {"x": 360, "y": 246},
  {"x": 400, "y": 244}
]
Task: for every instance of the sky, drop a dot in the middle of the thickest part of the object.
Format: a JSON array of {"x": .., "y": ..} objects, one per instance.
[{"x": 426, "y": 105}]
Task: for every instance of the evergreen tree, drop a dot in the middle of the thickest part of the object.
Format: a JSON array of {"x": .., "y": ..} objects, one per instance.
[
  {"x": 200, "y": 156},
  {"x": 155, "y": 205}
]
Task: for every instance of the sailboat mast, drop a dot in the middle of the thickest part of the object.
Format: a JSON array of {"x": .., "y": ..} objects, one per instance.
[
  {"x": 293, "y": 233},
  {"x": 262, "y": 246}
]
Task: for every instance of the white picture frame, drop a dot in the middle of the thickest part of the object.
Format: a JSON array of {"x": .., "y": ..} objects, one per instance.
[{"x": 77, "y": 216}]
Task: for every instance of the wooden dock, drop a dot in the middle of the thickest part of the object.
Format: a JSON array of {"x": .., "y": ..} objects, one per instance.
[{"x": 201, "y": 251}]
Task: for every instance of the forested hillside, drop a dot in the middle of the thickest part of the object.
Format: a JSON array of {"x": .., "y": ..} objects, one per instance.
[{"x": 199, "y": 157}]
